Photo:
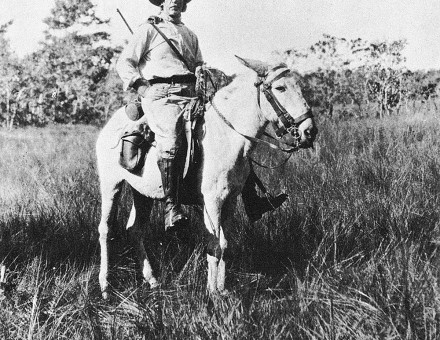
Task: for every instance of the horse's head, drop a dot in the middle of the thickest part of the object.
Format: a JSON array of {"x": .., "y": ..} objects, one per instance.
[{"x": 282, "y": 103}]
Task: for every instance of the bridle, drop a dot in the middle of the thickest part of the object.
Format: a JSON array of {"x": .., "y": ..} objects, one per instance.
[{"x": 286, "y": 123}]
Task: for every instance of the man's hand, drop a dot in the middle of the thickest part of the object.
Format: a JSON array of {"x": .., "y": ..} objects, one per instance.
[
  {"x": 200, "y": 72},
  {"x": 141, "y": 85},
  {"x": 201, "y": 81}
]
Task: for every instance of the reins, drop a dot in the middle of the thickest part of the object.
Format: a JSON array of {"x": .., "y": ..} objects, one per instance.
[
  {"x": 287, "y": 149},
  {"x": 289, "y": 125},
  {"x": 271, "y": 167}
]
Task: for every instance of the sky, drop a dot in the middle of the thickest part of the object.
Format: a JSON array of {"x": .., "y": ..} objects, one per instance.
[{"x": 255, "y": 28}]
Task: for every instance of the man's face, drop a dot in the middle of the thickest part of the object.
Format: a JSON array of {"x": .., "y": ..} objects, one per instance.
[{"x": 173, "y": 7}]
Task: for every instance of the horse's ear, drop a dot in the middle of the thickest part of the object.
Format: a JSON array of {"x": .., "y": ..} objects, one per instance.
[{"x": 258, "y": 66}]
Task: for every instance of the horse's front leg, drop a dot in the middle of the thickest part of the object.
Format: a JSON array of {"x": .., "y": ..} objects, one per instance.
[
  {"x": 136, "y": 226},
  {"x": 226, "y": 219},
  {"x": 216, "y": 245}
]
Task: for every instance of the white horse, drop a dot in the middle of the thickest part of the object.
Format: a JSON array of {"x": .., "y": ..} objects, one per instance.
[{"x": 238, "y": 114}]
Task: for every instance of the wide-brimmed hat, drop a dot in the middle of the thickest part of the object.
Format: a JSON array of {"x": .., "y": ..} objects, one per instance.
[{"x": 159, "y": 2}]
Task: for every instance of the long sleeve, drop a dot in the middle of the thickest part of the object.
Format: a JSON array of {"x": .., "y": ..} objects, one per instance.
[
  {"x": 130, "y": 61},
  {"x": 149, "y": 56},
  {"x": 199, "y": 57}
]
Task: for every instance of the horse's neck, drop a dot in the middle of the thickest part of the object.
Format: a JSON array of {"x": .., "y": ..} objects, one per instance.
[
  {"x": 238, "y": 103},
  {"x": 224, "y": 148}
]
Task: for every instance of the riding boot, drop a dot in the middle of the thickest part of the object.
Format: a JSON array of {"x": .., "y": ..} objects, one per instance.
[
  {"x": 254, "y": 205},
  {"x": 170, "y": 172}
]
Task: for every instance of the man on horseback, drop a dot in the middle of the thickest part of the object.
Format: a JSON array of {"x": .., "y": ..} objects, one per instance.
[{"x": 161, "y": 63}]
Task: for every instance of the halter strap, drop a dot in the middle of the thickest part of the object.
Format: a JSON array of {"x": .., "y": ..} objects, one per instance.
[
  {"x": 288, "y": 123},
  {"x": 275, "y": 74}
]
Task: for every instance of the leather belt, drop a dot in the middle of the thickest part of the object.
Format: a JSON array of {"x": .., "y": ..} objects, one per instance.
[{"x": 179, "y": 79}]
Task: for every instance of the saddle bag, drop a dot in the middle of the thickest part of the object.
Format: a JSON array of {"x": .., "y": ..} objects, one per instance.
[
  {"x": 134, "y": 148},
  {"x": 135, "y": 144}
]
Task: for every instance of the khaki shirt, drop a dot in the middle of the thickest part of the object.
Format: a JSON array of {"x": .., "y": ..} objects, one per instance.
[{"x": 149, "y": 56}]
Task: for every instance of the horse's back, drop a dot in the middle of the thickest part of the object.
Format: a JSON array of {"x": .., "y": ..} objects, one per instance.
[
  {"x": 108, "y": 147},
  {"x": 147, "y": 180},
  {"x": 110, "y": 133}
]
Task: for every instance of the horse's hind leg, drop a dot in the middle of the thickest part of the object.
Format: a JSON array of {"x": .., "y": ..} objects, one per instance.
[
  {"x": 214, "y": 218},
  {"x": 139, "y": 216},
  {"x": 110, "y": 192}
]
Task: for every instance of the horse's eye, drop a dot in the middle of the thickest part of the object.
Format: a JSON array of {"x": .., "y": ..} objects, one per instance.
[{"x": 280, "y": 88}]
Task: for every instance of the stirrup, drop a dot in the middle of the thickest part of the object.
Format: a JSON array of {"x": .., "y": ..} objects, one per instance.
[{"x": 264, "y": 205}]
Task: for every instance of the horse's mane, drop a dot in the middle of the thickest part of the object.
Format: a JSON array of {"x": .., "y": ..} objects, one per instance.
[
  {"x": 220, "y": 78},
  {"x": 225, "y": 85}
]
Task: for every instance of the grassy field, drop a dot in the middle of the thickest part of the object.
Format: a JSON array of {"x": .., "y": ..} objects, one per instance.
[{"x": 352, "y": 255}]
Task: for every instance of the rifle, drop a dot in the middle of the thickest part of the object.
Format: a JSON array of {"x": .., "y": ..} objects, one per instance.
[{"x": 125, "y": 21}]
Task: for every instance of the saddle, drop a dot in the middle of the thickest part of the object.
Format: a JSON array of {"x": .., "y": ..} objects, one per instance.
[{"x": 136, "y": 144}]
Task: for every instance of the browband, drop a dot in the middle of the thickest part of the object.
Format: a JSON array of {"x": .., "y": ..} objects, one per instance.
[{"x": 276, "y": 73}]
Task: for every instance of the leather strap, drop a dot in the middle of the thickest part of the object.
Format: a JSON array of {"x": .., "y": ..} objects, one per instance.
[
  {"x": 177, "y": 79},
  {"x": 279, "y": 146},
  {"x": 151, "y": 21}
]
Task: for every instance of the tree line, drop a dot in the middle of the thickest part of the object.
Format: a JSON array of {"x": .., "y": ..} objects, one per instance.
[
  {"x": 70, "y": 78},
  {"x": 360, "y": 78}
]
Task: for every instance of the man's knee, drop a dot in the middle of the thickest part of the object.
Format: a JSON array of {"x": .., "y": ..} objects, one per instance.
[{"x": 167, "y": 148}]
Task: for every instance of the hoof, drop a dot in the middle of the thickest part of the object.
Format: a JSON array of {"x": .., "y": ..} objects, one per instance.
[
  {"x": 104, "y": 295},
  {"x": 153, "y": 284},
  {"x": 223, "y": 292},
  {"x": 436, "y": 242},
  {"x": 218, "y": 292}
]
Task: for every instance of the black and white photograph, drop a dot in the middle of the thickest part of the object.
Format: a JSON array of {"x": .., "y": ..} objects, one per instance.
[{"x": 220, "y": 169}]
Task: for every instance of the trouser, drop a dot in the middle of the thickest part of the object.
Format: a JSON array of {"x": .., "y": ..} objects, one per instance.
[{"x": 163, "y": 105}]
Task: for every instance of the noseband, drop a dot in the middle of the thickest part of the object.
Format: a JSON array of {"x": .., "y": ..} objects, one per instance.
[{"x": 286, "y": 123}]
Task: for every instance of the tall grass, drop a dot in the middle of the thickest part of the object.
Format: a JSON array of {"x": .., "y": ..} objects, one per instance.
[{"x": 352, "y": 255}]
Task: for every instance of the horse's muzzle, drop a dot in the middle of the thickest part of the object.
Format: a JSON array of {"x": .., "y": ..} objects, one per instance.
[{"x": 308, "y": 136}]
